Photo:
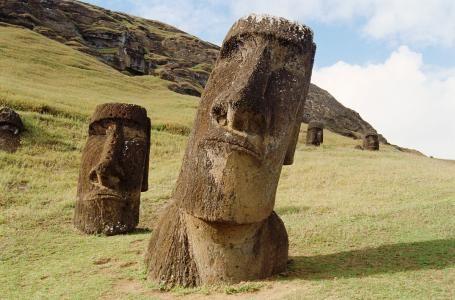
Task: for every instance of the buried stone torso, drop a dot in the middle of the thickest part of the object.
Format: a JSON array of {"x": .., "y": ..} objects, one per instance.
[
  {"x": 185, "y": 250},
  {"x": 220, "y": 226},
  {"x": 226, "y": 253}
]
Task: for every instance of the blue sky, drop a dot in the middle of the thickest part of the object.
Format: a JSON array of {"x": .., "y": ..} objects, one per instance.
[{"x": 393, "y": 61}]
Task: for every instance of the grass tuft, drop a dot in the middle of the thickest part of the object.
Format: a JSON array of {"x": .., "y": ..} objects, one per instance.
[{"x": 248, "y": 287}]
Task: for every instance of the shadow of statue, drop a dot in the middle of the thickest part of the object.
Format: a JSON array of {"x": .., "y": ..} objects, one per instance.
[
  {"x": 436, "y": 254},
  {"x": 139, "y": 231}
]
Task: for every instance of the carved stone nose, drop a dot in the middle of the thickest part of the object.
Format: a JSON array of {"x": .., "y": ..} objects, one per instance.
[
  {"x": 242, "y": 119},
  {"x": 219, "y": 114},
  {"x": 106, "y": 176},
  {"x": 108, "y": 172}
]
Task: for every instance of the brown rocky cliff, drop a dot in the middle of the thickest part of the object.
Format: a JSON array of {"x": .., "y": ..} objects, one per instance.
[{"x": 321, "y": 106}]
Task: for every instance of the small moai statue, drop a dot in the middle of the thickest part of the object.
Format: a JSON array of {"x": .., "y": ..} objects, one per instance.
[
  {"x": 220, "y": 226},
  {"x": 371, "y": 141},
  {"x": 114, "y": 170},
  {"x": 315, "y": 133},
  {"x": 11, "y": 127}
]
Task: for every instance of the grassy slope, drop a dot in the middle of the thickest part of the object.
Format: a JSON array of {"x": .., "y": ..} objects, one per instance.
[
  {"x": 29, "y": 62},
  {"x": 361, "y": 224}
]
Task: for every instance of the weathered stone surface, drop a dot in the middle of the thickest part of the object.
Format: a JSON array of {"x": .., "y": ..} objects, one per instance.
[
  {"x": 114, "y": 170},
  {"x": 10, "y": 128},
  {"x": 220, "y": 225},
  {"x": 133, "y": 45},
  {"x": 371, "y": 141},
  {"x": 315, "y": 133}
]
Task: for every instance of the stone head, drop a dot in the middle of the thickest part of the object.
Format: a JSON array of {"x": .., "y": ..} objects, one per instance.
[
  {"x": 248, "y": 121},
  {"x": 371, "y": 141},
  {"x": 315, "y": 133},
  {"x": 10, "y": 128},
  {"x": 114, "y": 169}
]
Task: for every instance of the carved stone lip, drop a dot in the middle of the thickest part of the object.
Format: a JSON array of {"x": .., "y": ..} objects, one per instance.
[
  {"x": 105, "y": 196},
  {"x": 240, "y": 145}
]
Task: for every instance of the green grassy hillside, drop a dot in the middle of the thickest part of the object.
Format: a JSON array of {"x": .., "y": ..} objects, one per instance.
[
  {"x": 361, "y": 224},
  {"x": 39, "y": 74}
]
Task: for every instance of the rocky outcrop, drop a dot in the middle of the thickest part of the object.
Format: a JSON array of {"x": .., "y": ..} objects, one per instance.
[
  {"x": 132, "y": 45},
  {"x": 323, "y": 107}
]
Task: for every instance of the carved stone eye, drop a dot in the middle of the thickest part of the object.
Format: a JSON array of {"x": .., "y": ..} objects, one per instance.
[
  {"x": 230, "y": 47},
  {"x": 219, "y": 114},
  {"x": 97, "y": 129}
]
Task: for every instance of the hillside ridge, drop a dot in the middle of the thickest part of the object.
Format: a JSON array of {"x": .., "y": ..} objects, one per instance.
[{"x": 137, "y": 46}]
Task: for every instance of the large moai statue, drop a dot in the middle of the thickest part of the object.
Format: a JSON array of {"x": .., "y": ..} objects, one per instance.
[
  {"x": 315, "y": 133},
  {"x": 371, "y": 141},
  {"x": 220, "y": 226},
  {"x": 11, "y": 127},
  {"x": 114, "y": 170}
]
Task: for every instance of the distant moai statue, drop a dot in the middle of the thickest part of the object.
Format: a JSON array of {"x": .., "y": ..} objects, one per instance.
[
  {"x": 114, "y": 169},
  {"x": 315, "y": 133},
  {"x": 220, "y": 226},
  {"x": 11, "y": 127},
  {"x": 371, "y": 141}
]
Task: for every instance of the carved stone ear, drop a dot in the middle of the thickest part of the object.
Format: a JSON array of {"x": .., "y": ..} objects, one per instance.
[
  {"x": 289, "y": 158},
  {"x": 145, "y": 178}
]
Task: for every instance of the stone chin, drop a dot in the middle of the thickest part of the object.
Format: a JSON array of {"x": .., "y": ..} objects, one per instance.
[
  {"x": 236, "y": 186},
  {"x": 107, "y": 214}
]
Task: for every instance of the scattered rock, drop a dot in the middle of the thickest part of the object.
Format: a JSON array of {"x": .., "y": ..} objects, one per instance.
[
  {"x": 128, "y": 264},
  {"x": 102, "y": 261}
]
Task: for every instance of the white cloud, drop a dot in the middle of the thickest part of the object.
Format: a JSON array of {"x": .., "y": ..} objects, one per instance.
[
  {"x": 422, "y": 22},
  {"x": 412, "y": 106},
  {"x": 401, "y": 21},
  {"x": 205, "y": 18},
  {"x": 397, "y": 21}
]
